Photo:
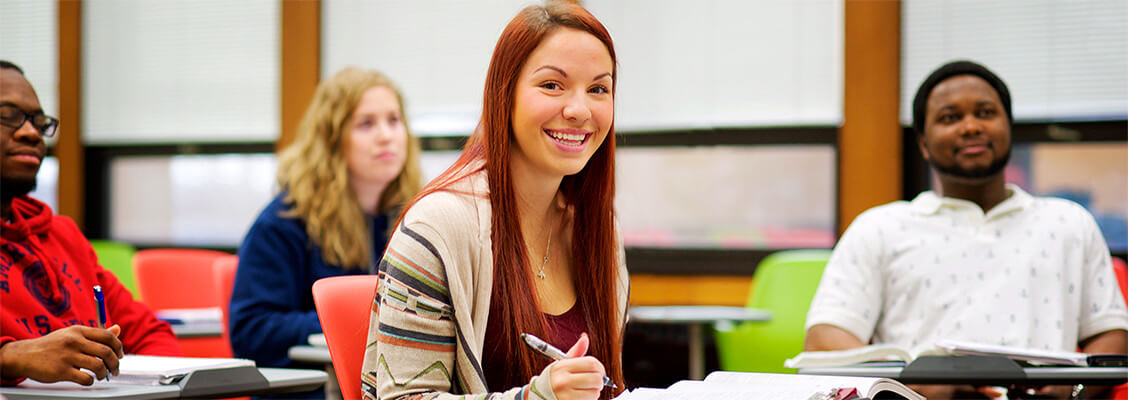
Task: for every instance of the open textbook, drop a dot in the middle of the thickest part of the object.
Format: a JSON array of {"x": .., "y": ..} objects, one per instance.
[
  {"x": 1033, "y": 356},
  {"x": 762, "y": 386},
  {"x": 159, "y": 370},
  {"x": 875, "y": 352},
  {"x": 890, "y": 352}
]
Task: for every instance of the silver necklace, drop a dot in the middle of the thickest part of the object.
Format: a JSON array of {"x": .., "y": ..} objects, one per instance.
[{"x": 540, "y": 274}]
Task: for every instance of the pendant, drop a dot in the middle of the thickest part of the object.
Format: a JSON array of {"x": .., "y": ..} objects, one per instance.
[{"x": 540, "y": 274}]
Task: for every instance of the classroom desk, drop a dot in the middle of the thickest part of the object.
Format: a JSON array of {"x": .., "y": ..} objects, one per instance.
[
  {"x": 697, "y": 318},
  {"x": 1034, "y": 375},
  {"x": 280, "y": 380},
  {"x": 193, "y": 330},
  {"x": 194, "y": 322},
  {"x": 317, "y": 352},
  {"x": 311, "y": 354}
]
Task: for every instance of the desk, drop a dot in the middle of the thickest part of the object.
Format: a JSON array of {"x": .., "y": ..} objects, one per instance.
[
  {"x": 280, "y": 380},
  {"x": 697, "y": 318},
  {"x": 1034, "y": 375},
  {"x": 195, "y": 329},
  {"x": 193, "y": 322},
  {"x": 311, "y": 354},
  {"x": 317, "y": 352}
]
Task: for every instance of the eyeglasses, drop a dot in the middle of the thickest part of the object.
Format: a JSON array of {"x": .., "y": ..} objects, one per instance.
[{"x": 14, "y": 117}]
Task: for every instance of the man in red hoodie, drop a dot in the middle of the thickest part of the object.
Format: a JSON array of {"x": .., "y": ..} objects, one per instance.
[{"x": 48, "y": 315}]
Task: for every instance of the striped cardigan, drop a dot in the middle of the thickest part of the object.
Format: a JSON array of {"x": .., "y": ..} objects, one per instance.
[{"x": 428, "y": 321}]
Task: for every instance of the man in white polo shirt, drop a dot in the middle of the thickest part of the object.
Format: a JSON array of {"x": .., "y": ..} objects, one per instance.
[{"x": 980, "y": 260}]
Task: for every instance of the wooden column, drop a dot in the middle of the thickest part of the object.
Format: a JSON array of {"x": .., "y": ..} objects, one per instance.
[
  {"x": 301, "y": 62},
  {"x": 68, "y": 145},
  {"x": 869, "y": 142}
]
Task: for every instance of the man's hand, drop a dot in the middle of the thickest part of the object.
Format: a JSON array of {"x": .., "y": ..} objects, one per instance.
[{"x": 59, "y": 355}]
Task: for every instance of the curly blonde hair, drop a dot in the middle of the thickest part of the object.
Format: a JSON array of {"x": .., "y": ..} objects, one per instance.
[{"x": 314, "y": 170}]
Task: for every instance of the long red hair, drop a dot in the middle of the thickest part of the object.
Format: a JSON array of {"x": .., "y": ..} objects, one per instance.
[{"x": 589, "y": 193}]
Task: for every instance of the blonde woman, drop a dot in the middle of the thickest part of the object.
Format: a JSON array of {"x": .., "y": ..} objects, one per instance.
[{"x": 351, "y": 167}]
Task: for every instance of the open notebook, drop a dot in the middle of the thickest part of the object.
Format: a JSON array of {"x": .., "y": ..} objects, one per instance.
[
  {"x": 158, "y": 370},
  {"x": 762, "y": 386},
  {"x": 883, "y": 352},
  {"x": 873, "y": 352}
]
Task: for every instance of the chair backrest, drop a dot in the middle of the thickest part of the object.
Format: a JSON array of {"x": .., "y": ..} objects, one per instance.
[
  {"x": 224, "y": 273},
  {"x": 784, "y": 283},
  {"x": 177, "y": 278},
  {"x": 344, "y": 304},
  {"x": 117, "y": 257}
]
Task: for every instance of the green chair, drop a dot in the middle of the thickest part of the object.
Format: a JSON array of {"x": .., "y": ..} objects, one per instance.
[
  {"x": 784, "y": 283},
  {"x": 117, "y": 257}
]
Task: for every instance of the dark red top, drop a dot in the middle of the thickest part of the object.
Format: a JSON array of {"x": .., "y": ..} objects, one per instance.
[{"x": 563, "y": 332}]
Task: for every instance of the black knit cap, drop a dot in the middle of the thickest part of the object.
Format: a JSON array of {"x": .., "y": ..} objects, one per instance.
[{"x": 961, "y": 67}]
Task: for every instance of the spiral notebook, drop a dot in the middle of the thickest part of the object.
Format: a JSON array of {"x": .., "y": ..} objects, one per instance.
[{"x": 160, "y": 370}]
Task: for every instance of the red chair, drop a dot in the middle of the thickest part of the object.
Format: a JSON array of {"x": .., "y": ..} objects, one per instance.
[
  {"x": 344, "y": 304},
  {"x": 1121, "y": 270},
  {"x": 182, "y": 278},
  {"x": 224, "y": 273}
]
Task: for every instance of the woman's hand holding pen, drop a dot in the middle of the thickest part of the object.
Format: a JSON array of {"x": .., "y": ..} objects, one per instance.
[
  {"x": 59, "y": 355},
  {"x": 577, "y": 377}
]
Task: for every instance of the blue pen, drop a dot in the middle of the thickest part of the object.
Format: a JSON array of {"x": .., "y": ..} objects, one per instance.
[{"x": 101, "y": 299}]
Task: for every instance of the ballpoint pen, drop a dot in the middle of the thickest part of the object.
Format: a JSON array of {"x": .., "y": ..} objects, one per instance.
[
  {"x": 101, "y": 299},
  {"x": 554, "y": 353}
]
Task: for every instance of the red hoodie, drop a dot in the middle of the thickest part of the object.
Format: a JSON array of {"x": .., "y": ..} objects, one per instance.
[{"x": 47, "y": 272}]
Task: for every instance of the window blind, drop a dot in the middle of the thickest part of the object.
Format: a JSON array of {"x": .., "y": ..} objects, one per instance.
[{"x": 180, "y": 71}]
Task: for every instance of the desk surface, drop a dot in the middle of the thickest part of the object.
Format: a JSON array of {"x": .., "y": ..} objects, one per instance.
[
  {"x": 193, "y": 322},
  {"x": 1034, "y": 375},
  {"x": 198, "y": 329},
  {"x": 280, "y": 380},
  {"x": 310, "y": 354},
  {"x": 696, "y": 314},
  {"x": 317, "y": 340}
]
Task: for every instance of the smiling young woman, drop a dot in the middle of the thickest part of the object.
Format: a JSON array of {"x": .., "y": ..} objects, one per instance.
[{"x": 518, "y": 236}]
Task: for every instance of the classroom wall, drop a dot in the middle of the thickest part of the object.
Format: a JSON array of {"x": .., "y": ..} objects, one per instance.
[{"x": 150, "y": 71}]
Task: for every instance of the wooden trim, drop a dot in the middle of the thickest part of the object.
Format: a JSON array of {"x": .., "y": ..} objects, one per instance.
[
  {"x": 869, "y": 143},
  {"x": 662, "y": 290},
  {"x": 68, "y": 147},
  {"x": 301, "y": 63}
]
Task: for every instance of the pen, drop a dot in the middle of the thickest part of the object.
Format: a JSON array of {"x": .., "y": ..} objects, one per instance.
[
  {"x": 101, "y": 299},
  {"x": 554, "y": 353}
]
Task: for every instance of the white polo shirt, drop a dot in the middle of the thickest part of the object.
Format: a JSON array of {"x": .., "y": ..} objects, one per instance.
[{"x": 1033, "y": 272}]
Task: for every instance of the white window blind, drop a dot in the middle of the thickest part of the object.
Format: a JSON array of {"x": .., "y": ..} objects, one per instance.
[
  {"x": 437, "y": 52},
  {"x": 180, "y": 71},
  {"x": 682, "y": 64},
  {"x": 28, "y": 38},
  {"x": 725, "y": 62},
  {"x": 1061, "y": 60}
]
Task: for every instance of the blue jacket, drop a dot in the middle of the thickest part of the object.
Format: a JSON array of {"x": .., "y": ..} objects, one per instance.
[{"x": 272, "y": 304}]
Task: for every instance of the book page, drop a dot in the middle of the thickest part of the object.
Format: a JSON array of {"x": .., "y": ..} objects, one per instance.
[
  {"x": 801, "y": 386},
  {"x": 838, "y": 358},
  {"x": 814, "y": 382},
  {"x": 160, "y": 366},
  {"x": 746, "y": 391},
  {"x": 1017, "y": 353},
  {"x": 643, "y": 393}
]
